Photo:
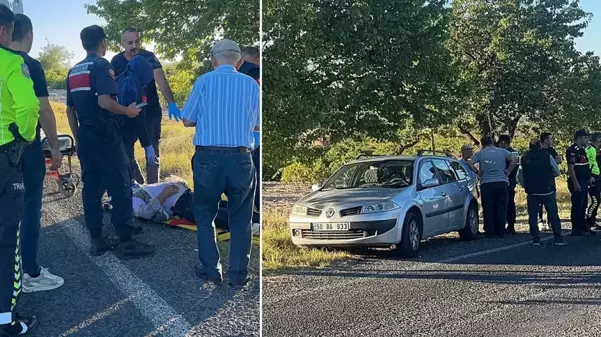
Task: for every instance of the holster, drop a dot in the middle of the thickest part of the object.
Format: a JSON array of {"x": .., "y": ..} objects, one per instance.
[{"x": 14, "y": 150}]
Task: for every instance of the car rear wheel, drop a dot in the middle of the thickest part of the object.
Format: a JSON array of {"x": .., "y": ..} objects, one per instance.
[
  {"x": 472, "y": 224},
  {"x": 412, "y": 236}
]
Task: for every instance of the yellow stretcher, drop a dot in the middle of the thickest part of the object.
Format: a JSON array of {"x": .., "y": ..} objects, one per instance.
[{"x": 222, "y": 235}]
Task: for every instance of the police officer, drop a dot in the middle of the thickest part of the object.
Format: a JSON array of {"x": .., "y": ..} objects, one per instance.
[
  {"x": 92, "y": 111},
  {"x": 18, "y": 123},
  {"x": 578, "y": 182}
]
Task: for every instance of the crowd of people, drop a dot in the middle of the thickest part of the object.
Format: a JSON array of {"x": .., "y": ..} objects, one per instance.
[
  {"x": 223, "y": 107},
  {"x": 499, "y": 169}
]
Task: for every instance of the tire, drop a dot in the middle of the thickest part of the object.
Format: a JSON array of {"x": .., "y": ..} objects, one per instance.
[
  {"x": 472, "y": 224},
  {"x": 411, "y": 237}
]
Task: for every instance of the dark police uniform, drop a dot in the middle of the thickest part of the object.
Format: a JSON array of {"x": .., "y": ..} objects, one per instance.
[
  {"x": 154, "y": 112},
  {"x": 100, "y": 147},
  {"x": 576, "y": 155},
  {"x": 18, "y": 120},
  {"x": 253, "y": 71},
  {"x": 511, "y": 208},
  {"x": 34, "y": 170}
]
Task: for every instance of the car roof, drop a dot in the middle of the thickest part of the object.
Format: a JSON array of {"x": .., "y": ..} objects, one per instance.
[{"x": 384, "y": 158}]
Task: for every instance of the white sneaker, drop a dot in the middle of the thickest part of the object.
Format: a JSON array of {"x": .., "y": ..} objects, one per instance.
[
  {"x": 46, "y": 281},
  {"x": 256, "y": 228}
]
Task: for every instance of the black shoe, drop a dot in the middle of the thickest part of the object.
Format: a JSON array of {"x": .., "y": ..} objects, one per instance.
[
  {"x": 203, "y": 275},
  {"x": 536, "y": 242},
  {"x": 26, "y": 324},
  {"x": 99, "y": 246},
  {"x": 560, "y": 241},
  {"x": 511, "y": 231},
  {"x": 242, "y": 284},
  {"x": 132, "y": 249}
]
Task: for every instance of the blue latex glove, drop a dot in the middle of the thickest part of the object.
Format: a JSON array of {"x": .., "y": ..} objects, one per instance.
[
  {"x": 174, "y": 112},
  {"x": 151, "y": 156}
]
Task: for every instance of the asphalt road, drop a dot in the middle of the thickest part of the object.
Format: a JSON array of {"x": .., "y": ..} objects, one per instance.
[
  {"x": 158, "y": 296},
  {"x": 488, "y": 287}
]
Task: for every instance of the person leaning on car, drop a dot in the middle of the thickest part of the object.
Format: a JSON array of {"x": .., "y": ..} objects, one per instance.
[
  {"x": 537, "y": 176},
  {"x": 494, "y": 183}
]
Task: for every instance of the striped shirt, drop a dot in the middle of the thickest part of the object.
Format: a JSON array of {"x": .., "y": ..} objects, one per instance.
[{"x": 224, "y": 104}]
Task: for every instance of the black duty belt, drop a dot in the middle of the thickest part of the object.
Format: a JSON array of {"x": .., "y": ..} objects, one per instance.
[{"x": 240, "y": 149}]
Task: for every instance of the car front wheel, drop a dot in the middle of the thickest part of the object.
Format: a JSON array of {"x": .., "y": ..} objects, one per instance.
[
  {"x": 472, "y": 224},
  {"x": 412, "y": 236}
]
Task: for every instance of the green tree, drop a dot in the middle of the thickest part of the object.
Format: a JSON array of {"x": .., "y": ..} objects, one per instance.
[
  {"x": 514, "y": 56},
  {"x": 181, "y": 28},
  {"x": 56, "y": 61},
  {"x": 352, "y": 69}
]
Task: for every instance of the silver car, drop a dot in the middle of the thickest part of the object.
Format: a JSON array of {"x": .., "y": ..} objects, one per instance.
[{"x": 394, "y": 201}]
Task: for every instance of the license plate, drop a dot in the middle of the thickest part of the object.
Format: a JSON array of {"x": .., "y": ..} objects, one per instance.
[{"x": 342, "y": 226}]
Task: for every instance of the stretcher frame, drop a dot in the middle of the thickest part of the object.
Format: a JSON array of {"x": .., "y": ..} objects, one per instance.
[{"x": 67, "y": 182}]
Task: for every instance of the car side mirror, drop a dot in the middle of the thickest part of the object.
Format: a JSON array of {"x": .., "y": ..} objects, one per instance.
[
  {"x": 430, "y": 183},
  {"x": 316, "y": 187}
]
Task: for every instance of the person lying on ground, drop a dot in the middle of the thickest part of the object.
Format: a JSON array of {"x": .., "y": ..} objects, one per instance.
[{"x": 163, "y": 201}]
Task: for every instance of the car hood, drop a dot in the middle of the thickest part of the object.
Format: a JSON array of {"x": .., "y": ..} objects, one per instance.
[{"x": 348, "y": 197}]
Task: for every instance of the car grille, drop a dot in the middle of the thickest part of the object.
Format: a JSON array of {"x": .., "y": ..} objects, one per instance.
[
  {"x": 331, "y": 235},
  {"x": 351, "y": 211},
  {"x": 313, "y": 212}
]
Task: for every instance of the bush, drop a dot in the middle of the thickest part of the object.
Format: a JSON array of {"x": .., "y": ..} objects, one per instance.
[
  {"x": 305, "y": 173},
  {"x": 57, "y": 79}
]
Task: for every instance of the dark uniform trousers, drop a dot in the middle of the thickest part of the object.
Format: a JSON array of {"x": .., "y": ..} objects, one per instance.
[
  {"x": 578, "y": 210},
  {"x": 12, "y": 191},
  {"x": 511, "y": 208},
  {"x": 153, "y": 122},
  {"x": 105, "y": 166}
]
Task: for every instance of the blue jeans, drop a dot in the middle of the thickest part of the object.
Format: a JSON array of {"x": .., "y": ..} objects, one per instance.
[
  {"x": 550, "y": 203},
  {"x": 34, "y": 170},
  {"x": 228, "y": 171}
]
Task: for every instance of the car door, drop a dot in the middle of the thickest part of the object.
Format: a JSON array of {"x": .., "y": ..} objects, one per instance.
[
  {"x": 454, "y": 192},
  {"x": 433, "y": 199}
]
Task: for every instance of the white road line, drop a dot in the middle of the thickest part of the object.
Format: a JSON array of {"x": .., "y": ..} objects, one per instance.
[
  {"x": 418, "y": 265},
  {"x": 97, "y": 316},
  {"x": 148, "y": 302}
]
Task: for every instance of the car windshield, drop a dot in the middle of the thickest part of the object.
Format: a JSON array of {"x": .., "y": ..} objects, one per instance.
[{"x": 379, "y": 174}]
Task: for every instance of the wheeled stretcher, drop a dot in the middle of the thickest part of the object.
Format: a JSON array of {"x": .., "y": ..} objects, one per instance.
[{"x": 67, "y": 182}]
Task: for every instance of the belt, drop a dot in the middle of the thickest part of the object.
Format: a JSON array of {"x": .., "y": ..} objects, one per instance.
[{"x": 240, "y": 149}]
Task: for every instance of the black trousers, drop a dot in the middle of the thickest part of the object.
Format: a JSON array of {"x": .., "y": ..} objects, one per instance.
[
  {"x": 134, "y": 168},
  {"x": 494, "y": 207},
  {"x": 511, "y": 211},
  {"x": 12, "y": 191},
  {"x": 594, "y": 192},
  {"x": 105, "y": 167},
  {"x": 578, "y": 209}
]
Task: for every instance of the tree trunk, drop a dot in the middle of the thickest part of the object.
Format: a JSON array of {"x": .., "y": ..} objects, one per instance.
[{"x": 404, "y": 147}]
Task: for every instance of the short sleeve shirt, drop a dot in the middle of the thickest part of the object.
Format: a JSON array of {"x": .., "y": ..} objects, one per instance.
[
  {"x": 492, "y": 161},
  {"x": 88, "y": 79},
  {"x": 39, "y": 81},
  {"x": 576, "y": 155},
  {"x": 119, "y": 63}
]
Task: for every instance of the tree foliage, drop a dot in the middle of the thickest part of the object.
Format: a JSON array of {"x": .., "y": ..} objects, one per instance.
[
  {"x": 515, "y": 56},
  {"x": 56, "y": 61},
  {"x": 352, "y": 68},
  {"x": 181, "y": 28}
]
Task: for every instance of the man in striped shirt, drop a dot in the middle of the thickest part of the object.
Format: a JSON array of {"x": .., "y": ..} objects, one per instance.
[{"x": 224, "y": 108}]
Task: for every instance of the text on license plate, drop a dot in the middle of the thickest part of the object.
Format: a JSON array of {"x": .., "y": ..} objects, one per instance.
[{"x": 341, "y": 226}]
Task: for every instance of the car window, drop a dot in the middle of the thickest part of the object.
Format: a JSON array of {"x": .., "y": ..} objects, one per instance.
[
  {"x": 426, "y": 172},
  {"x": 373, "y": 174},
  {"x": 461, "y": 173},
  {"x": 446, "y": 173}
]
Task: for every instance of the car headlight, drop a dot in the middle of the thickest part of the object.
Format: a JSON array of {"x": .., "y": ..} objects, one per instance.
[
  {"x": 379, "y": 207},
  {"x": 299, "y": 210}
]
